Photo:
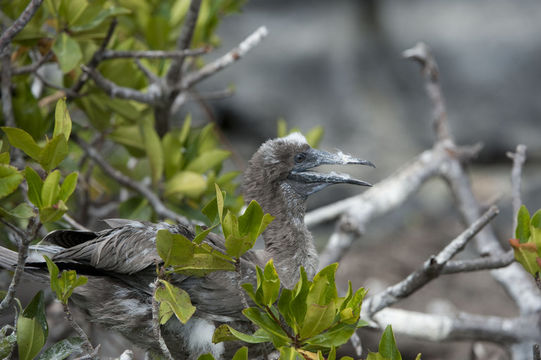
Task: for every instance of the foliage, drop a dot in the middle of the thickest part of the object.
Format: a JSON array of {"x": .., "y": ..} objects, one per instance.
[
  {"x": 527, "y": 242},
  {"x": 313, "y": 136}
]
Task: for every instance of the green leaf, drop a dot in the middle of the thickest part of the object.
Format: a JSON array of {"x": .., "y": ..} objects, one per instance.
[
  {"x": 24, "y": 141},
  {"x": 36, "y": 310},
  {"x": 185, "y": 131},
  {"x": 4, "y": 157},
  {"x": 281, "y": 127},
  {"x": 230, "y": 227},
  {"x": 68, "y": 186},
  {"x": 186, "y": 183},
  {"x": 50, "y": 189},
  {"x": 219, "y": 201},
  {"x": 21, "y": 211},
  {"x": 536, "y": 219},
  {"x": 52, "y": 213},
  {"x": 387, "y": 345},
  {"x": 526, "y": 254},
  {"x": 270, "y": 284},
  {"x": 62, "y": 120},
  {"x": 323, "y": 289},
  {"x": 202, "y": 264},
  {"x": 226, "y": 333},
  {"x": 284, "y": 307},
  {"x": 10, "y": 178},
  {"x": 241, "y": 354},
  {"x": 173, "y": 300},
  {"x": 375, "y": 356},
  {"x": 63, "y": 285},
  {"x": 35, "y": 185},
  {"x": 335, "y": 336},
  {"x": 54, "y": 152},
  {"x": 130, "y": 137},
  {"x": 207, "y": 160},
  {"x": 53, "y": 274},
  {"x": 289, "y": 353},
  {"x": 67, "y": 52},
  {"x": 298, "y": 305},
  {"x": 63, "y": 349},
  {"x": 522, "y": 231},
  {"x": 100, "y": 18},
  {"x": 265, "y": 322},
  {"x": 153, "y": 148},
  {"x": 30, "y": 337},
  {"x": 174, "y": 249},
  {"x": 206, "y": 357},
  {"x": 172, "y": 154},
  {"x": 318, "y": 318}
]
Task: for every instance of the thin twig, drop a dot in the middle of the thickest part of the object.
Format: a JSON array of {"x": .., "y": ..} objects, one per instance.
[
  {"x": 87, "y": 345},
  {"x": 232, "y": 56},
  {"x": 152, "y": 78},
  {"x": 126, "y": 181},
  {"x": 73, "y": 223},
  {"x": 174, "y": 74},
  {"x": 47, "y": 83},
  {"x": 156, "y": 323},
  {"x": 27, "y": 69},
  {"x": 483, "y": 263},
  {"x": 421, "y": 53},
  {"x": 519, "y": 157},
  {"x": 152, "y": 54},
  {"x": 431, "y": 269},
  {"x": 121, "y": 92},
  {"x": 96, "y": 58},
  {"x": 18, "y": 24}
]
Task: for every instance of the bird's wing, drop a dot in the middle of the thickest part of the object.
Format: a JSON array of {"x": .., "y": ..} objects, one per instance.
[{"x": 69, "y": 238}]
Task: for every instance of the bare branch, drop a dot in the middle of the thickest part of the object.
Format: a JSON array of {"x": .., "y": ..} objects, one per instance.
[
  {"x": 19, "y": 24},
  {"x": 126, "y": 181},
  {"x": 152, "y": 54},
  {"x": 174, "y": 74},
  {"x": 462, "y": 326},
  {"x": 232, "y": 56},
  {"x": 431, "y": 269},
  {"x": 47, "y": 83},
  {"x": 519, "y": 157},
  {"x": 87, "y": 345},
  {"x": 121, "y": 92},
  {"x": 483, "y": 263},
  {"x": 32, "y": 67},
  {"x": 7, "y": 104},
  {"x": 421, "y": 53}
]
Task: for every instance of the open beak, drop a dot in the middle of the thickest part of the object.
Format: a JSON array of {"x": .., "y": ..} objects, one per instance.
[{"x": 315, "y": 181}]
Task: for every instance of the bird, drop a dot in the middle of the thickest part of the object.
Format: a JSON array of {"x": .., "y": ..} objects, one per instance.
[{"x": 120, "y": 261}]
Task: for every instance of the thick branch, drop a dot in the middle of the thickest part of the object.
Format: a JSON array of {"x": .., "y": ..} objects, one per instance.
[
  {"x": 126, "y": 181},
  {"x": 519, "y": 157},
  {"x": 121, "y": 92},
  {"x": 431, "y": 269},
  {"x": 483, "y": 263},
  {"x": 19, "y": 24},
  {"x": 462, "y": 326},
  {"x": 232, "y": 56}
]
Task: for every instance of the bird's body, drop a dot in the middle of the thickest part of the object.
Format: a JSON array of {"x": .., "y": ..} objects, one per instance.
[{"x": 120, "y": 262}]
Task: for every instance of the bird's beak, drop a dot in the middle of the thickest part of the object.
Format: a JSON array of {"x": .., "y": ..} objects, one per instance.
[{"x": 316, "y": 181}]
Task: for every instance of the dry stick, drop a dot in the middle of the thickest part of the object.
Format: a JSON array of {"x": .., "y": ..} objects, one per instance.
[
  {"x": 152, "y": 54},
  {"x": 87, "y": 345},
  {"x": 519, "y": 157},
  {"x": 19, "y": 24},
  {"x": 431, "y": 269},
  {"x": 126, "y": 181},
  {"x": 483, "y": 263},
  {"x": 235, "y": 54},
  {"x": 156, "y": 323},
  {"x": 421, "y": 53}
]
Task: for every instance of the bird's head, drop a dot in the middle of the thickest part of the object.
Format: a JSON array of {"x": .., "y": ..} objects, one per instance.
[{"x": 289, "y": 161}]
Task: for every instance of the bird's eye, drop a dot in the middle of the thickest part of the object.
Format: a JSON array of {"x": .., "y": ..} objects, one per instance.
[{"x": 300, "y": 157}]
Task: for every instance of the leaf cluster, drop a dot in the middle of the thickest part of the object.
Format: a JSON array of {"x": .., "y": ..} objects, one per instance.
[{"x": 527, "y": 242}]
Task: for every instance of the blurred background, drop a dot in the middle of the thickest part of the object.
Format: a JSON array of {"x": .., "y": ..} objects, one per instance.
[{"x": 339, "y": 65}]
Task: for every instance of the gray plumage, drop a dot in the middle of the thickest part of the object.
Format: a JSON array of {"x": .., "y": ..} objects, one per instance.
[{"x": 120, "y": 261}]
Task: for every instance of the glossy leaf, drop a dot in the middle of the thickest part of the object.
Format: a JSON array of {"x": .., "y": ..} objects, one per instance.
[
  {"x": 265, "y": 322},
  {"x": 206, "y": 357},
  {"x": 67, "y": 52},
  {"x": 289, "y": 353},
  {"x": 4, "y": 157},
  {"x": 253, "y": 222},
  {"x": 174, "y": 249},
  {"x": 35, "y": 185},
  {"x": 207, "y": 160},
  {"x": 226, "y": 333},
  {"x": 21, "y": 211},
  {"x": 318, "y": 318},
  {"x": 241, "y": 354},
  {"x": 50, "y": 189},
  {"x": 219, "y": 202},
  {"x": 172, "y": 154},
  {"x": 535, "y": 221},
  {"x": 30, "y": 337},
  {"x": 522, "y": 231},
  {"x": 68, "y": 186},
  {"x": 63, "y": 349},
  {"x": 54, "y": 152},
  {"x": 335, "y": 336},
  {"x": 100, "y": 18},
  {"x": 64, "y": 284},
  {"x": 173, "y": 300},
  {"x": 314, "y": 136},
  {"x": 62, "y": 120},
  {"x": 36, "y": 310},
  {"x": 526, "y": 254},
  {"x": 24, "y": 141},
  {"x": 323, "y": 289},
  {"x": 387, "y": 345},
  {"x": 270, "y": 284},
  {"x": 10, "y": 178},
  {"x": 153, "y": 148},
  {"x": 52, "y": 213}
]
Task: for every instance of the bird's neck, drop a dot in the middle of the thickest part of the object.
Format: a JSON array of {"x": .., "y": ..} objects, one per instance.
[{"x": 287, "y": 239}]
